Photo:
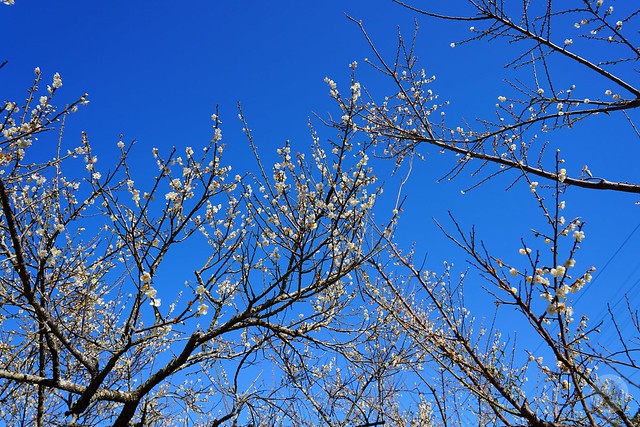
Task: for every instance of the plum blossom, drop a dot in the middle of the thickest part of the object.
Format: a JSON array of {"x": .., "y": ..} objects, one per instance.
[
  {"x": 562, "y": 175},
  {"x": 151, "y": 292},
  {"x": 145, "y": 277},
  {"x": 559, "y": 271},
  {"x": 203, "y": 309},
  {"x": 57, "y": 81}
]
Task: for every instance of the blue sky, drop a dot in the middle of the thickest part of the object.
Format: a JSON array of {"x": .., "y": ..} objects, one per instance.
[{"x": 155, "y": 72}]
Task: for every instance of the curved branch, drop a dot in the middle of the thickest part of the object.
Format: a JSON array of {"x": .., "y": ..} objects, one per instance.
[{"x": 592, "y": 183}]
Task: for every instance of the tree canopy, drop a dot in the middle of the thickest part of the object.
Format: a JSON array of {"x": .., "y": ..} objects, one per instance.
[{"x": 183, "y": 289}]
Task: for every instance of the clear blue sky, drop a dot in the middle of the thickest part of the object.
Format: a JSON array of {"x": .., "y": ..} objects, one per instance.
[{"x": 156, "y": 70}]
